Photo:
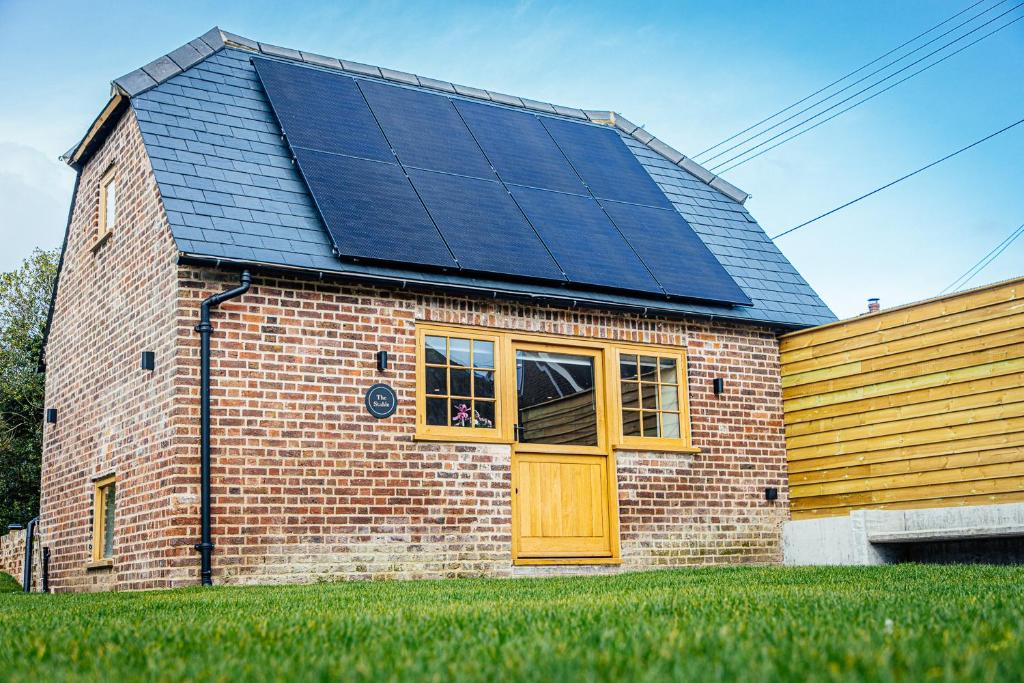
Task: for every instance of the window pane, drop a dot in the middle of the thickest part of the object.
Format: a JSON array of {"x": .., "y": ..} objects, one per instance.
[
  {"x": 459, "y": 351},
  {"x": 462, "y": 413},
  {"x": 108, "y": 520},
  {"x": 631, "y": 423},
  {"x": 670, "y": 425},
  {"x": 437, "y": 411},
  {"x": 483, "y": 354},
  {"x": 435, "y": 347},
  {"x": 110, "y": 210},
  {"x": 651, "y": 424},
  {"x": 630, "y": 395},
  {"x": 437, "y": 381},
  {"x": 484, "y": 415},
  {"x": 627, "y": 366},
  {"x": 460, "y": 382},
  {"x": 669, "y": 397},
  {"x": 668, "y": 371},
  {"x": 650, "y": 396},
  {"x": 556, "y": 402},
  {"x": 648, "y": 369},
  {"x": 483, "y": 383}
]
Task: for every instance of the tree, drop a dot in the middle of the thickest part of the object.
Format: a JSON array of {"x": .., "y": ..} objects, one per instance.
[{"x": 24, "y": 304}]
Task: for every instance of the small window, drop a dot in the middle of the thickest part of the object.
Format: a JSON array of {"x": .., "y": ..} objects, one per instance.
[
  {"x": 458, "y": 384},
  {"x": 104, "y": 501},
  {"x": 108, "y": 204},
  {"x": 652, "y": 388}
]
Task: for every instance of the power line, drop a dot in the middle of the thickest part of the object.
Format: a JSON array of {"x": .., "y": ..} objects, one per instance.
[
  {"x": 859, "y": 92},
  {"x": 869, "y": 97},
  {"x": 898, "y": 180},
  {"x": 840, "y": 80},
  {"x": 985, "y": 260}
]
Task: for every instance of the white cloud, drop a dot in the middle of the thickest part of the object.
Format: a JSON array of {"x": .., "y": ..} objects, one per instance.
[{"x": 35, "y": 192}]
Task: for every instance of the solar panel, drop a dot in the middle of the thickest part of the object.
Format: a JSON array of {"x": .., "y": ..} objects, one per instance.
[
  {"x": 584, "y": 241},
  {"x": 674, "y": 253},
  {"x": 483, "y": 226},
  {"x": 371, "y": 210},
  {"x": 425, "y": 130},
  {"x": 322, "y": 111},
  {"x": 604, "y": 162},
  {"x": 519, "y": 148},
  {"x": 404, "y": 176}
]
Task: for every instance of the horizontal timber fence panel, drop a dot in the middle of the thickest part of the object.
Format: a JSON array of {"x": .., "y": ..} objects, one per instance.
[{"x": 912, "y": 407}]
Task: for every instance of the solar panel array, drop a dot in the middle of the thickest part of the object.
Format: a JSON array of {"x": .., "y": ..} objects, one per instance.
[{"x": 405, "y": 176}]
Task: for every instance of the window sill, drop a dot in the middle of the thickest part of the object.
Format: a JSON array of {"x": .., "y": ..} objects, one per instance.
[
  {"x": 660, "y": 447},
  {"x": 461, "y": 439},
  {"x": 99, "y": 564},
  {"x": 100, "y": 241}
]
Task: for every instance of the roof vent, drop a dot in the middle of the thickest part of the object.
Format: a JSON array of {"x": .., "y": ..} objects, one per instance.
[{"x": 873, "y": 305}]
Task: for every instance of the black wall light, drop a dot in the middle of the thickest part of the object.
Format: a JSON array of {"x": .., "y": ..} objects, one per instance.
[
  {"x": 382, "y": 360},
  {"x": 148, "y": 360},
  {"x": 719, "y": 385},
  {"x": 51, "y": 416},
  {"x": 771, "y": 493}
]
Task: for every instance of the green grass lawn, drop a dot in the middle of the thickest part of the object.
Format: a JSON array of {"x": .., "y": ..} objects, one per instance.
[
  {"x": 897, "y": 623},
  {"x": 8, "y": 584}
]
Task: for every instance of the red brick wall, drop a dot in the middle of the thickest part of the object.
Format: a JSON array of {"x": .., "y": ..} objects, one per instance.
[
  {"x": 114, "y": 301},
  {"x": 307, "y": 485}
]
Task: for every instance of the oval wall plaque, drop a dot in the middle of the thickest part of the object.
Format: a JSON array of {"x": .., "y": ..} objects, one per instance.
[{"x": 381, "y": 401}]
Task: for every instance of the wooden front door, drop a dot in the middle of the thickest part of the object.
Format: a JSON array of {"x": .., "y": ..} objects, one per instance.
[{"x": 560, "y": 463}]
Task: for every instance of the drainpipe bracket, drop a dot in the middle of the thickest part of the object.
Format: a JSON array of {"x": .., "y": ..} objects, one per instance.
[{"x": 204, "y": 327}]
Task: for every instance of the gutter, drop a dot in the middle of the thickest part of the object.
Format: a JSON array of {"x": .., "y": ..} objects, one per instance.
[
  {"x": 409, "y": 283},
  {"x": 205, "y": 329}
]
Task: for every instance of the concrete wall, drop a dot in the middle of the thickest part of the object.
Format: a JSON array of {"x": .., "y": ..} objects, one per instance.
[{"x": 984, "y": 533}]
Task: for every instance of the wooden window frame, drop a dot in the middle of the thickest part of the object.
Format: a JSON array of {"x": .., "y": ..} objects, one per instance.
[
  {"x": 504, "y": 361},
  {"x": 99, "y": 525},
  {"x": 501, "y": 432},
  {"x": 681, "y": 444},
  {"x": 103, "y": 230}
]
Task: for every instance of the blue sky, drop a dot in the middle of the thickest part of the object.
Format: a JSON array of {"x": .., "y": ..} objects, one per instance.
[{"x": 691, "y": 72}]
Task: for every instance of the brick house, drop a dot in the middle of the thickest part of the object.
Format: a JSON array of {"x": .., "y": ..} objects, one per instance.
[{"x": 476, "y": 335}]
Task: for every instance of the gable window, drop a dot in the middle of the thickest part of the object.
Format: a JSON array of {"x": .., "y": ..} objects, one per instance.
[
  {"x": 652, "y": 398},
  {"x": 458, "y": 384},
  {"x": 108, "y": 204},
  {"x": 104, "y": 501}
]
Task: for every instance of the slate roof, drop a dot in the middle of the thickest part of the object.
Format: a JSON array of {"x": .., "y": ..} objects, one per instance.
[{"x": 232, "y": 193}]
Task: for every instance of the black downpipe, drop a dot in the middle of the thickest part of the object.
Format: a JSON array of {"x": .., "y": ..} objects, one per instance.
[
  {"x": 204, "y": 328},
  {"x": 26, "y": 568}
]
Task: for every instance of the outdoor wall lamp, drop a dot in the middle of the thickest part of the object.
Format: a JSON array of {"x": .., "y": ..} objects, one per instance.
[
  {"x": 51, "y": 416},
  {"x": 771, "y": 493},
  {"x": 148, "y": 360},
  {"x": 382, "y": 361},
  {"x": 719, "y": 385}
]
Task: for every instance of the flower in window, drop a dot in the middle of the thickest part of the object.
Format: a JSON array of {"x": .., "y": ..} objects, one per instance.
[
  {"x": 481, "y": 421},
  {"x": 461, "y": 415}
]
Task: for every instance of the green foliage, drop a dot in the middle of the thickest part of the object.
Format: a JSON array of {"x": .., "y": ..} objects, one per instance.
[
  {"x": 24, "y": 302},
  {"x": 8, "y": 584},
  {"x": 895, "y": 623}
]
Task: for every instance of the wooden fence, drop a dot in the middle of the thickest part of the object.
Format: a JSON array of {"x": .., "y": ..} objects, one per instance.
[{"x": 916, "y": 406}]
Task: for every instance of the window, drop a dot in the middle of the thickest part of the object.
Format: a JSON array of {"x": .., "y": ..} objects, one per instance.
[
  {"x": 458, "y": 384},
  {"x": 479, "y": 385},
  {"x": 108, "y": 204},
  {"x": 104, "y": 494},
  {"x": 652, "y": 397}
]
